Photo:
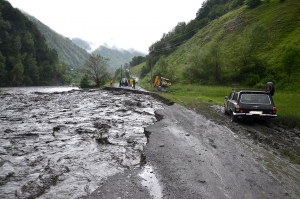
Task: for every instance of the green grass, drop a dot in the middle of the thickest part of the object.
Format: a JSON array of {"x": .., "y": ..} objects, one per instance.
[
  {"x": 186, "y": 94},
  {"x": 293, "y": 155},
  {"x": 136, "y": 70},
  {"x": 229, "y": 31},
  {"x": 287, "y": 103},
  {"x": 288, "y": 109}
]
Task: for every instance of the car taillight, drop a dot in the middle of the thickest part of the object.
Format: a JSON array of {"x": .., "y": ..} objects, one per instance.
[
  {"x": 237, "y": 108},
  {"x": 274, "y": 109}
]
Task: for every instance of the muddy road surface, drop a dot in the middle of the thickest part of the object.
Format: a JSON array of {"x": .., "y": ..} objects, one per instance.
[
  {"x": 120, "y": 144},
  {"x": 198, "y": 158}
]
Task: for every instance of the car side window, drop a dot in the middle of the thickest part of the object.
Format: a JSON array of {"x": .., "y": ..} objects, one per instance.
[
  {"x": 231, "y": 95},
  {"x": 235, "y": 96}
]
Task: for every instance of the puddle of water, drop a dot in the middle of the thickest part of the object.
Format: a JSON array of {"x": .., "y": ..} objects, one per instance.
[{"x": 151, "y": 182}]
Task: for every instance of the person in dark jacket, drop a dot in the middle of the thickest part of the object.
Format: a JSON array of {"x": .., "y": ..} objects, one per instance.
[{"x": 133, "y": 83}]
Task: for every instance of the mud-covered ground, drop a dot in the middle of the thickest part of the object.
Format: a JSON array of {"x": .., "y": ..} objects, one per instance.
[
  {"x": 266, "y": 134},
  {"x": 210, "y": 157},
  {"x": 65, "y": 144},
  {"x": 119, "y": 144}
]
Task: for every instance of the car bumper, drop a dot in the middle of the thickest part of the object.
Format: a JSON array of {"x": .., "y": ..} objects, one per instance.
[{"x": 241, "y": 115}]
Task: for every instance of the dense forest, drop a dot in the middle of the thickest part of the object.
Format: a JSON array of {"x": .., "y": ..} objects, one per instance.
[
  {"x": 25, "y": 58},
  {"x": 230, "y": 41}
]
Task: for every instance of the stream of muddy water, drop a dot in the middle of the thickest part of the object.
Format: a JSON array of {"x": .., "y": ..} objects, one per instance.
[{"x": 62, "y": 142}]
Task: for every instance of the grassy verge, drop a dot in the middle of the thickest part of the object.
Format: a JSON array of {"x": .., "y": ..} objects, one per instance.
[
  {"x": 187, "y": 94},
  {"x": 287, "y": 103},
  {"x": 293, "y": 155},
  {"x": 288, "y": 109}
]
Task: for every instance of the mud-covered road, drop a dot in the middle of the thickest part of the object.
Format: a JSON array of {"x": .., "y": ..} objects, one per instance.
[
  {"x": 119, "y": 144},
  {"x": 65, "y": 144},
  {"x": 198, "y": 158}
]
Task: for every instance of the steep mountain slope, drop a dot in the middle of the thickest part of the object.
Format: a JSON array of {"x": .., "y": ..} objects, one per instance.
[
  {"x": 68, "y": 51},
  {"x": 25, "y": 58},
  {"x": 245, "y": 46},
  {"x": 74, "y": 52},
  {"x": 116, "y": 56},
  {"x": 82, "y": 44}
]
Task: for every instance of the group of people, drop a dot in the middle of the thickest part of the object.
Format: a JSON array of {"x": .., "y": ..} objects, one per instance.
[{"x": 124, "y": 82}]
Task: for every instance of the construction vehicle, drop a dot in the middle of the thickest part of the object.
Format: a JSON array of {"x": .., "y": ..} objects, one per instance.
[{"x": 161, "y": 83}]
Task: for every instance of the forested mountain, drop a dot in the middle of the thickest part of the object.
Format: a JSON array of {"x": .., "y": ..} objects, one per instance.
[
  {"x": 116, "y": 56},
  {"x": 74, "y": 52},
  {"x": 25, "y": 58},
  {"x": 82, "y": 44},
  {"x": 68, "y": 52},
  {"x": 249, "y": 43}
]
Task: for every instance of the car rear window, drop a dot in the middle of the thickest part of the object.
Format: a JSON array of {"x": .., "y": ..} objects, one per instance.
[{"x": 250, "y": 98}]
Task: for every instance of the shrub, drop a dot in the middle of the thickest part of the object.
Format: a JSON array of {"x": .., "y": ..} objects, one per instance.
[
  {"x": 84, "y": 82},
  {"x": 252, "y": 3}
]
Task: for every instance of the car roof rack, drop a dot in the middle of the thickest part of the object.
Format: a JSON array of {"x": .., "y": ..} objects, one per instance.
[
  {"x": 235, "y": 87},
  {"x": 247, "y": 89},
  {"x": 269, "y": 88}
]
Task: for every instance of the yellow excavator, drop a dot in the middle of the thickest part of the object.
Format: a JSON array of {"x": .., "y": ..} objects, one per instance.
[{"x": 161, "y": 83}]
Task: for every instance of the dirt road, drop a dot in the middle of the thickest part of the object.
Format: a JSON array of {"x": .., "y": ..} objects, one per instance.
[{"x": 193, "y": 156}]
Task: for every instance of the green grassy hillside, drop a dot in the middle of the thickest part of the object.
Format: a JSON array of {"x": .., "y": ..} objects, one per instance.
[
  {"x": 136, "y": 70},
  {"x": 247, "y": 46},
  {"x": 244, "y": 46}
]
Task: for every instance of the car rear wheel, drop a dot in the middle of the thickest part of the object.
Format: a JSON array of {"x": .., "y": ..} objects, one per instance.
[
  {"x": 234, "y": 118},
  {"x": 226, "y": 113}
]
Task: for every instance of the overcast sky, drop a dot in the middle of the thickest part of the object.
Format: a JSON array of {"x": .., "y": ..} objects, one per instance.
[{"x": 125, "y": 23}]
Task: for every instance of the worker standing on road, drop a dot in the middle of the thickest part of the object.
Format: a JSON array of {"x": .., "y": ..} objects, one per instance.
[
  {"x": 111, "y": 82},
  {"x": 133, "y": 83}
]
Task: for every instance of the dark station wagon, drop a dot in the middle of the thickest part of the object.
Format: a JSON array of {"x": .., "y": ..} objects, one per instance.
[{"x": 250, "y": 104}]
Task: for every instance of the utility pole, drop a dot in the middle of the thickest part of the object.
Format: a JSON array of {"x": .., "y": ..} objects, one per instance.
[{"x": 151, "y": 57}]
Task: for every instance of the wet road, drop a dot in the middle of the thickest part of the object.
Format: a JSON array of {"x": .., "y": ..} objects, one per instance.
[{"x": 198, "y": 158}]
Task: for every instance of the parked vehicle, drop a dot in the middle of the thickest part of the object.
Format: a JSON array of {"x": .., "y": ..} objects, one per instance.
[{"x": 251, "y": 104}]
